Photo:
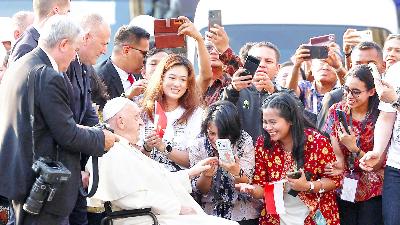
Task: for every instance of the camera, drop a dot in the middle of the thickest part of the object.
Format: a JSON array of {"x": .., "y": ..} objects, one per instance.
[{"x": 51, "y": 174}]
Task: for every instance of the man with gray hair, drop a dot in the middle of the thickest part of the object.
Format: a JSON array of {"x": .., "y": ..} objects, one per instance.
[
  {"x": 21, "y": 21},
  {"x": 43, "y": 10},
  {"x": 36, "y": 85},
  {"x": 96, "y": 35}
]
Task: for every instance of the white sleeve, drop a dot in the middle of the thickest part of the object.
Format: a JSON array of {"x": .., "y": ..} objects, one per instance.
[
  {"x": 392, "y": 77},
  {"x": 193, "y": 128}
]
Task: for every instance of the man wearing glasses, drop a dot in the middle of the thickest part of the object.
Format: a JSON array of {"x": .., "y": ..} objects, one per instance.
[{"x": 120, "y": 72}]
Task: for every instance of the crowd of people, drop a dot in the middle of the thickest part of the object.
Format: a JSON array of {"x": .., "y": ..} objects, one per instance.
[{"x": 323, "y": 134}]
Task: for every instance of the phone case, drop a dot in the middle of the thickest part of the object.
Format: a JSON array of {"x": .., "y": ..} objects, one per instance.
[
  {"x": 225, "y": 150},
  {"x": 322, "y": 40},
  {"x": 365, "y": 35},
  {"x": 342, "y": 119},
  {"x": 251, "y": 65},
  {"x": 214, "y": 17},
  {"x": 166, "y": 33},
  {"x": 317, "y": 52}
]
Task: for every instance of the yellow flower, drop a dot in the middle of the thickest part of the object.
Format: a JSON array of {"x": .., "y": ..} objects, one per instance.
[
  {"x": 310, "y": 138},
  {"x": 263, "y": 213},
  {"x": 269, "y": 164},
  {"x": 324, "y": 151},
  {"x": 256, "y": 177},
  {"x": 277, "y": 160}
]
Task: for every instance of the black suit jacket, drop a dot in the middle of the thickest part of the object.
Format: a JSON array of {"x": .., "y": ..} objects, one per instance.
[
  {"x": 79, "y": 76},
  {"x": 54, "y": 125},
  {"x": 26, "y": 43},
  {"x": 110, "y": 76}
]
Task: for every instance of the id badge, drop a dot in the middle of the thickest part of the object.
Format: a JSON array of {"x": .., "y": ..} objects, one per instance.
[
  {"x": 318, "y": 218},
  {"x": 349, "y": 189}
]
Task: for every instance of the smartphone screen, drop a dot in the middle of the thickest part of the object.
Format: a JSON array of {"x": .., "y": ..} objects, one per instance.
[
  {"x": 251, "y": 65},
  {"x": 225, "y": 151},
  {"x": 214, "y": 17},
  {"x": 317, "y": 52}
]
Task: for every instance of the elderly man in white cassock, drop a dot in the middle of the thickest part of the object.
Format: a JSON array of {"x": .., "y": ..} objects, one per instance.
[{"x": 131, "y": 180}]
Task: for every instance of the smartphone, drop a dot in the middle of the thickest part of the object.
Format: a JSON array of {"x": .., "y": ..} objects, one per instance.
[
  {"x": 317, "y": 52},
  {"x": 322, "y": 40},
  {"x": 342, "y": 119},
  {"x": 148, "y": 129},
  {"x": 250, "y": 65},
  {"x": 294, "y": 175},
  {"x": 366, "y": 35},
  {"x": 214, "y": 17},
  {"x": 225, "y": 151}
]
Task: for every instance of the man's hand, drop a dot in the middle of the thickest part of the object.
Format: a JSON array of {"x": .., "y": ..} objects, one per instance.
[
  {"x": 301, "y": 55},
  {"x": 333, "y": 58},
  {"x": 136, "y": 89},
  {"x": 85, "y": 178},
  {"x": 369, "y": 160},
  {"x": 262, "y": 82},
  {"x": 185, "y": 210},
  {"x": 241, "y": 82},
  {"x": 109, "y": 139},
  {"x": 350, "y": 39},
  {"x": 188, "y": 28},
  {"x": 218, "y": 37},
  {"x": 385, "y": 91},
  {"x": 207, "y": 166}
]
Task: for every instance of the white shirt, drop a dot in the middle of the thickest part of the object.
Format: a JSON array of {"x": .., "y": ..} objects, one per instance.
[
  {"x": 393, "y": 77},
  {"x": 124, "y": 78}
]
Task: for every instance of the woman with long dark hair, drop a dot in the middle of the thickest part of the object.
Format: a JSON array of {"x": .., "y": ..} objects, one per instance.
[
  {"x": 290, "y": 144},
  {"x": 173, "y": 86},
  {"x": 215, "y": 189},
  {"x": 360, "y": 111}
]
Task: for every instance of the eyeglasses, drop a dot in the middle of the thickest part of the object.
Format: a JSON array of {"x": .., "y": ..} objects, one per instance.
[
  {"x": 355, "y": 92},
  {"x": 144, "y": 53}
]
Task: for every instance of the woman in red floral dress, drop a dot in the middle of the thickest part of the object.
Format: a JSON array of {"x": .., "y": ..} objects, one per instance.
[
  {"x": 360, "y": 107},
  {"x": 288, "y": 145}
]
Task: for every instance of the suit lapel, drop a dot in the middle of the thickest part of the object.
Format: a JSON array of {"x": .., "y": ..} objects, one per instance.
[{"x": 116, "y": 80}]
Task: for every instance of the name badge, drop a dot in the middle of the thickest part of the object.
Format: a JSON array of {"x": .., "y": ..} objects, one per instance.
[{"x": 349, "y": 189}]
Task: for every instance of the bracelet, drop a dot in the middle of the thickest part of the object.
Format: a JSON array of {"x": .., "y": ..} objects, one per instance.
[
  {"x": 358, "y": 153},
  {"x": 144, "y": 147},
  {"x": 348, "y": 54}
]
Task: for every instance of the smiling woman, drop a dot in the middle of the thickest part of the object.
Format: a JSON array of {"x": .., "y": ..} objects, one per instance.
[{"x": 172, "y": 85}]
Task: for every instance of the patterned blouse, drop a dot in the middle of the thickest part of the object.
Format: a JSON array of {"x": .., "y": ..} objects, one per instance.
[
  {"x": 273, "y": 165},
  {"x": 369, "y": 183},
  {"x": 231, "y": 63},
  {"x": 238, "y": 206}
]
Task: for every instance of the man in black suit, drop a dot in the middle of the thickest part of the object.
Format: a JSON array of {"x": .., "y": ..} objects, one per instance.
[
  {"x": 131, "y": 44},
  {"x": 42, "y": 9},
  {"x": 56, "y": 134},
  {"x": 95, "y": 39}
]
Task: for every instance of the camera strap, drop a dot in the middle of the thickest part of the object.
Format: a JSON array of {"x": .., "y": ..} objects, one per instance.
[
  {"x": 31, "y": 103},
  {"x": 95, "y": 176}
]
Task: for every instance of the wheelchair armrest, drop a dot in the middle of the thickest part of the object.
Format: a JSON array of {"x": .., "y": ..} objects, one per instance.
[{"x": 110, "y": 215}]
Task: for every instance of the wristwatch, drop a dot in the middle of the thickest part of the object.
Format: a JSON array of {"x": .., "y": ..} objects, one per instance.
[
  {"x": 312, "y": 187},
  {"x": 168, "y": 149}
]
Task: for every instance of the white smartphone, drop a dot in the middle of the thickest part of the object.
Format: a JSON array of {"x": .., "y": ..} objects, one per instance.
[
  {"x": 366, "y": 35},
  {"x": 374, "y": 71},
  {"x": 225, "y": 151}
]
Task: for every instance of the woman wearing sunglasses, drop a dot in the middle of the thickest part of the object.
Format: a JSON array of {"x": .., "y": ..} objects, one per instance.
[{"x": 359, "y": 110}]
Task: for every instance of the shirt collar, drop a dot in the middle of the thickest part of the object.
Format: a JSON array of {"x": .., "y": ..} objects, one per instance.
[
  {"x": 52, "y": 61},
  {"x": 122, "y": 74}
]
